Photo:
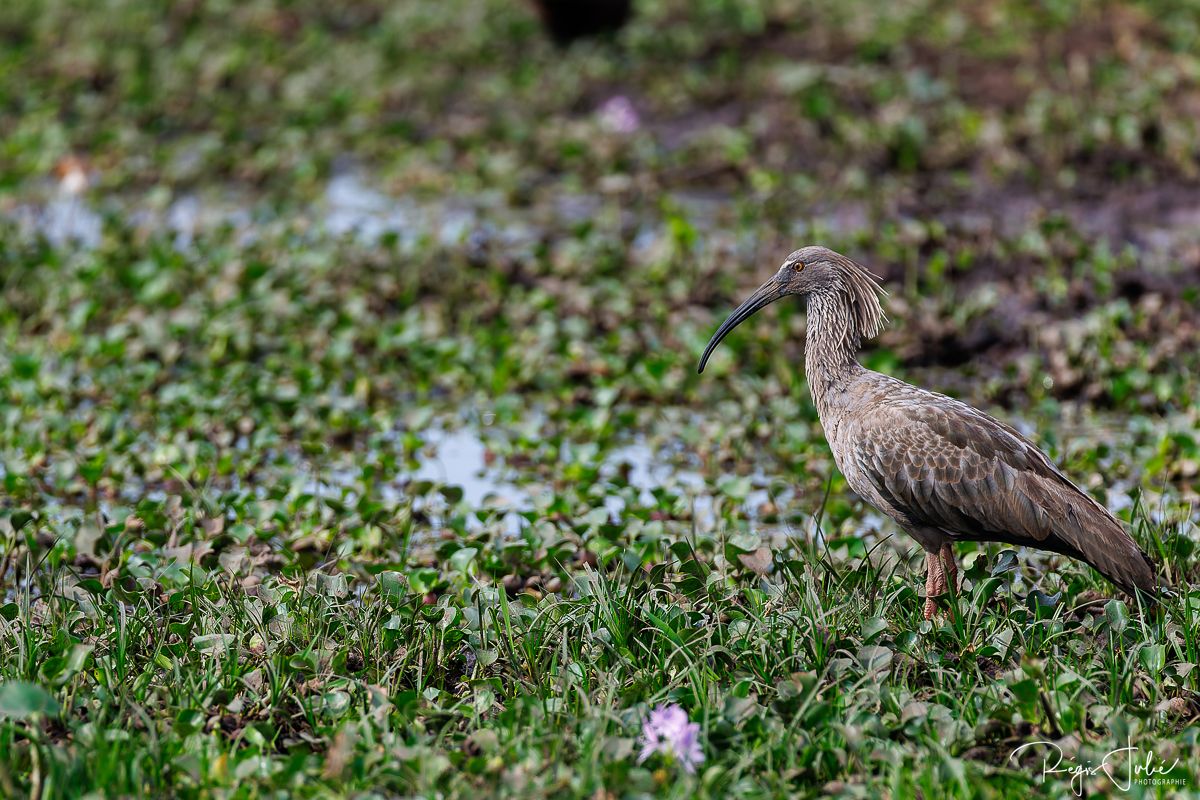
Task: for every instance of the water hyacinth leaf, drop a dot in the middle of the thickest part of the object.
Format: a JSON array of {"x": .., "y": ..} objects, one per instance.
[
  {"x": 843, "y": 666},
  {"x": 875, "y": 658},
  {"x": 189, "y": 721},
  {"x": 1153, "y": 657},
  {"x": 631, "y": 558},
  {"x": 618, "y": 748},
  {"x": 483, "y": 701},
  {"x": 1041, "y": 603},
  {"x": 916, "y": 710},
  {"x": 1002, "y": 641},
  {"x": 1033, "y": 667},
  {"x": 1117, "y": 615},
  {"x": 758, "y": 561},
  {"x": 740, "y": 709},
  {"x": 21, "y": 700},
  {"x": 462, "y": 559},
  {"x": 853, "y": 546},
  {"x": 736, "y": 488},
  {"x": 453, "y": 494},
  {"x": 1182, "y": 669},
  {"x": 451, "y": 616},
  {"x": 485, "y": 740},
  {"x": 1067, "y": 679},
  {"x": 744, "y": 542},
  {"x": 86, "y": 538},
  {"x": 795, "y": 685},
  {"x": 419, "y": 488},
  {"x": 335, "y": 703},
  {"x": 73, "y": 663},
  {"x": 255, "y": 738},
  {"x": 241, "y": 532},
  {"x": 392, "y": 585},
  {"x": 682, "y": 550},
  {"x": 337, "y": 585},
  {"x": 214, "y": 642},
  {"x": 873, "y": 627},
  {"x": 987, "y": 589},
  {"x": 422, "y": 581},
  {"x": 93, "y": 469},
  {"x": 19, "y": 519},
  {"x": 1006, "y": 562},
  {"x": 1026, "y": 693}
]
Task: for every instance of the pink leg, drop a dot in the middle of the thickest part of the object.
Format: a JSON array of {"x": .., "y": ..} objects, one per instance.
[
  {"x": 941, "y": 573},
  {"x": 934, "y": 578},
  {"x": 946, "y": 554}
]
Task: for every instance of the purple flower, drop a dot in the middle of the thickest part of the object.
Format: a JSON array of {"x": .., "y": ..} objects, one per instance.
[
  {"x": 668, "y": 731},
  {"x": 618, "y": 115}
]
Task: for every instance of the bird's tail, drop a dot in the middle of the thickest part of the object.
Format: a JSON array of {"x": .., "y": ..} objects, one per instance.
[{"x": 1098, "y": 538}]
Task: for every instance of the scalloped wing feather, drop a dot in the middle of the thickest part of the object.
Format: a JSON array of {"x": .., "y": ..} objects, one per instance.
[{"x": 946, "y": 465}]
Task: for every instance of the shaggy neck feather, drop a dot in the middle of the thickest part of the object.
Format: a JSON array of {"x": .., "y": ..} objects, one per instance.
[{"x": 831, "y": 349}]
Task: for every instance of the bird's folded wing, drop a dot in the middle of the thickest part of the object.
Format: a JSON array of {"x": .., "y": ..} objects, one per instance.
[{"x": 946, "y": 465}]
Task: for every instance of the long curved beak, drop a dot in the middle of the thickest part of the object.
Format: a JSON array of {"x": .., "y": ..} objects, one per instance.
[{"x": 763, "y": 296}]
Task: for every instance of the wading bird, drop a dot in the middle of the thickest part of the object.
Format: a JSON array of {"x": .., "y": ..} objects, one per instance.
[{"x": 944, "y": 471}]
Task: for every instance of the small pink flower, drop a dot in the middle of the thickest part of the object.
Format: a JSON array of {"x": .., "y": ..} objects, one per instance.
[
  {"x": 668, "y": 731},
  {"x": 618, "y": 115}
]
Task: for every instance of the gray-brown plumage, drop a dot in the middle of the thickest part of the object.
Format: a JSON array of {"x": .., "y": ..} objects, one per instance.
[{"x": 944, "y": 471}]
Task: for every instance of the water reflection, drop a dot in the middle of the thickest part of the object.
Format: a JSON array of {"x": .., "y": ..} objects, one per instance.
[{"x": 459, "y": 458}]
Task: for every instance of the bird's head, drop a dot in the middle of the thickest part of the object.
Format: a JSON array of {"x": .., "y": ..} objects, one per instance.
[{"x": 808, "y": 272}]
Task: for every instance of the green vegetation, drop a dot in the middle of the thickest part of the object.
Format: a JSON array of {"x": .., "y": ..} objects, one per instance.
[{"x": 359, "y": 451}]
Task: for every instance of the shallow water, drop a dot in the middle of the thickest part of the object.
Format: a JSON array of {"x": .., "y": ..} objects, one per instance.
[
  {"x": 65, "y": 220},
  {"x": 1163, "y": 222},
  {"x": 458, "y": 458}
]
